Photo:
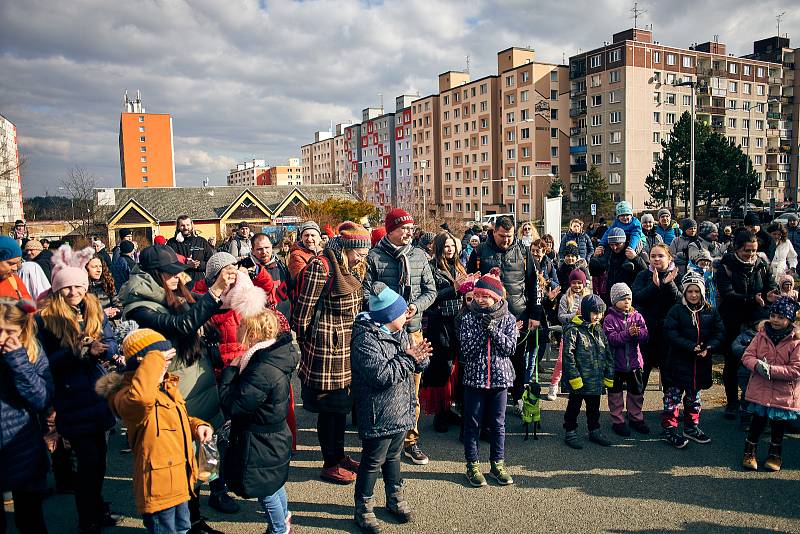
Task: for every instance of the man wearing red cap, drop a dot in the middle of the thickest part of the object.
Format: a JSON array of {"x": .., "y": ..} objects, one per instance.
[{"x": 405, "y": 270}]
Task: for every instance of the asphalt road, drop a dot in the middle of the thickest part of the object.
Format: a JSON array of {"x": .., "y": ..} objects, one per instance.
[{"x": 637, "y": 485}]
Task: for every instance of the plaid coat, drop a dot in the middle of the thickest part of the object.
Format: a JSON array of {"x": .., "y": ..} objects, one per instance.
[{"x": 324, "y": 330}]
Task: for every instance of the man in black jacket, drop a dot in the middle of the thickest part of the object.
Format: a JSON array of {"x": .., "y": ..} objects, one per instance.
[
  {"x": 194, "y": 248},
  {"x": 520, "y": 280},
  {"x": 619, "y": 262}
]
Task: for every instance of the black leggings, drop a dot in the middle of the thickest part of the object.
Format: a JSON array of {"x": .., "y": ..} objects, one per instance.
[
  {"x": 28, "y": 516},
  {"x": 330, "y": 432},
  {"x": 90, "y": 454},
  {"x": 757, "y": 426}
]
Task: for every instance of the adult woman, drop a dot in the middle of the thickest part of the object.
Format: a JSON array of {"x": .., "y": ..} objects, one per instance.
[
  {"x": 283, "y": 252},
  {"x": 156, "y": 298},
  {"x": 745, "y": 285},
  {"x": 527, "y": 234},
  {"x": 785, "y": 256},
  {"x": 77, "y": 338},
  {"x": 434, "y": 393},
  {"x": 655, "y": 291},
  {"x": 11, "y": 285},
  {"x": 549, "y": 249},
  {"x": 101, "y": 285},
  {"x": 329, "y": 298}
]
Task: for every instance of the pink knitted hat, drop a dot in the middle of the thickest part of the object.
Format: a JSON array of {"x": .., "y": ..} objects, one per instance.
[
  {"x": 69, "y": 267},
  {"x": 244, "y": 297}
]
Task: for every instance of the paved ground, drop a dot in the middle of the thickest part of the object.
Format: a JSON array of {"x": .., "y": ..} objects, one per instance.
[{"x": 638, "y": 485}]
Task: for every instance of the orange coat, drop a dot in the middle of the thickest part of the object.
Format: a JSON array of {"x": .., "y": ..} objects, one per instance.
[
  {"x": 299, "y": 256},
  {"x": 159, "y": 432},
  {"x": 14, "y": 288}
]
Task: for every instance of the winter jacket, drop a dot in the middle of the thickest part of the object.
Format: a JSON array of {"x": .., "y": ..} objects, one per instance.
[
  {"x": 518, "y": 273},
  {"x": 584, "y": 242},
  {"x": 654, "y": 301},
  {"x": 784, "y": 258},
  {"x": 238, "y": 247},
  {"x": 194, "y": 247},
  {"x": 383, "y": 387},
  {"x": 614, "y": 265},
  {"x": 299, "y": 256},
  {"x": 714, "y": 248},
  {"x": 782, "y": 390},
  {"x": 794, "y": 237},
  {"x": 585, "y": 356},
  {"x": 328, "y": 301},
  {"x": 670, "y": 233},
  {"x": 26, "y": 390},
  {"x": 682, "y": 368},
  {"x": 106, "y": 300},
  {"x": 738, "y": 284},
  {"x": 486, "y": 351},
  {"x": 441, "y": 316},
  {"x": 45, "y": 261},
  {"x": 564, "y": 270},
  {"x": 633, "y": 231},
  {"x": 144, "y": 301},
  {"x": 280, "y": 276},
  {"x": 12, "y": 287},
  {"x": 79, "y": 410},
  {"x": 121, "y": 268},
  {"x": 679, "y": 248},
  {"x": 159, "y": 432},
  {"x": 257, "y": 402},
  {"x": 649, "y": 239},
  {"x": 566, "y": 311},
  {"x": 382, "y": 267},
  {"x": 626, "y": 348}
]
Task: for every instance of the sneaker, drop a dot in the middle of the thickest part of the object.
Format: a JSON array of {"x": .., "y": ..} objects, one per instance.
[
  {"x": 731, "y": 411},
  {"x": 597, "y": 436},
  {"x": 621, "y": 429},
  {"x": 337, "y": 474},
  {"x": 222, "y": 502},
  {"x": 474, "y": 475},
  {"x": 553, "y": 393},
  {"x": 674, "y": 438},
  {"x": 571, "y": 439},
  {"x": 349, "y": 464},
  {"x": 415, "y": 454},
  {"x": 500, "y": 474},
  {"x": 695, "y": 434},
  {"x": 639, "y": 426}
]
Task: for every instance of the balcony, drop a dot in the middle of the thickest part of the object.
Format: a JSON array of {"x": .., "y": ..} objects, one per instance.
[
  {"x": 775, "y": 80},
  {"x": 577, "y": 92},
  {"x": 773, "y": 116},
  {"x": 773, "y": 150},
  {"x": 775, "y": 132},
  {"x": 580, "y": 149},
  {"x": 578, "y": 167},
  {"x": 711, "y": 110},
  {"x": 576, "y": 130},
  {"x": 577, "y": 112},
  {"x": 718, "y": 127}
]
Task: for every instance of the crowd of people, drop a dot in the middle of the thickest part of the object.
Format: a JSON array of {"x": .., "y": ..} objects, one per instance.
[{"x": 190, "y": 348}]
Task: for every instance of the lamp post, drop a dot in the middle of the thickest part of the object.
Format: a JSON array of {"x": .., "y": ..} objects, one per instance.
[
  {"x": 423, "y": 164},
  {"x": 691, "y": 84},
  {"x": 480, "y": 211}
]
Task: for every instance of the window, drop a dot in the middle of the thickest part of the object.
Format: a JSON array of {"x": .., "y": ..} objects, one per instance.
[
  {"x": 615, "y": 137},
  {"x": 509, "y": 81},
  {"x": 553, "y": 133},
  {"x": 446, "y": 99},
  {"x": 483, "y": 88},
  {"x": 523, "y": 96},
  {"x": 597, "y": 100},
  {"x": 614, "y": 96},
  {"x": 670, "y": 98},
  {"x": 144, "y": 169},
  {"x": 747, "y": 70},
  {"x": 747, "y": 88},
  {"x": 656, "y": 57},
  {"x": 759, "y": 159},
  {"x": 141, "y": 118},
  {"x": 614, "y": 158},
  {"x": 760, "y": 90},
  {"x": 142, "y": 149},
  {"x": 733, "y": 87},
  {"x": 733, "y": 68},
  {"x": 615, "y": 117},
  {"x": 141, "y": 129},
  {"x": 687, "y": 62},
  {"x": 142, "y": 139},
  {"x": 759, "y": 124},
  {"x": 524, "y": 114},
  {"x": 615, "y": 55},
  {"x": 745, "y": 125},
  {"x": 483, "y": 105},
  {"x": 670, "y": 59},
  {"x": 553, "y": 94},
  {"x": 595, "y": 61},
  {"x": 597, "y": 139},
  {"x": 613, "y": 76},
  {"x": 732, "y": 139},
  {"x": 731, "y": 122},
  {"x": 614, "y": 178},
  {"x": 731, "y": 104},
  {"x": 143, "y": 159},
  {"x": 144, "y": 178},
  {"x": 657, "y": 117},
  {"x": 745, "y": 142},
  {"x": 553, "y": 151},
  {"x": 525, "y": 133},
  {"x": 670, "y": 118},
  {"x": 597, "y": 159},
  {"x": 510, "y": 117},
  {"x": 597, "y": 120},
  {"x": 759, "y": 142},
  {"x": 484, "y": 123},
  {"x": 760, "y": 72},
  {"x": 656, "y": 97},
  {"x": 509, "y": 136},
  {"x": 553, "y": 75},
  {"x": 595, "y": 81},
  {"x": 525, "y": 76},
  {"x": 526, "y": 152},
  {"x": 446, "y": 116},
  {"x": 687, "y": 100},
  {"x": 554, "y": 114},
  {"x": 657, "y": 77},
  {"x": 484, "y": 140},
  {"x": 511, "y": 153},
  {"x": 510, "y": 100}
]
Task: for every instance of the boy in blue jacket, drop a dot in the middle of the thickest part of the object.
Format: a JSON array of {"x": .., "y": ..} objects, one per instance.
[{"x": 628, "y": 224}]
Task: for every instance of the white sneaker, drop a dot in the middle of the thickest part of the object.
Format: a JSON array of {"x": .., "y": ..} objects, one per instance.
[{"x": 553, "y": 393}]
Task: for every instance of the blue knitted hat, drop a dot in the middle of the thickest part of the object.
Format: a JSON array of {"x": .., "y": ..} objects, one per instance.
[
  {"x": 617, "y": 235},
  {"x": 591, "y": 303},
  {"x": 785, "y": 307},
  {"x": 624, "y": 208},
  {"x": 9, "y": 249},
  {"x": 385, "y": 305}
]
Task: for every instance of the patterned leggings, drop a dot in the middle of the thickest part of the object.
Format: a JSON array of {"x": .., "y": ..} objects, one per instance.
[{"x": 672, "y": 407}]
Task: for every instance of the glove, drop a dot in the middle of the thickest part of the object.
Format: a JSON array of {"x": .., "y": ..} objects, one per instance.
[
  {"x": 486, "y": 321},
  {"x": 608, "y": 382},
  {"x": 576, "y": 383},
  {"x": 762, "y": 368}
]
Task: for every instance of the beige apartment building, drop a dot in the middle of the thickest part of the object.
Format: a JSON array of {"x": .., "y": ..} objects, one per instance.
[
  {"x": 247, "y": 173},
  {"x": 290, "y": 174},
  {"x": 624, "y": 102},
  {"x": 426, "y": 156}
]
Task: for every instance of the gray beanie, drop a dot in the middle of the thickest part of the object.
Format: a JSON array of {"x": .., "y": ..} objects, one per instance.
[
  {"x": 663, "y": 211},
  {"x": 217, "y": 262},
  {"x": 706, "y": 228},
  {"x": 617, "y": 235},
  {"x": 308, "y": 225},
  {"x": 647, "y": 218},
  {"x": 620, "y": 291}
]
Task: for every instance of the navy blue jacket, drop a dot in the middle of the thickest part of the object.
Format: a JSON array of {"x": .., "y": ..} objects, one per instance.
[{"x": 79, "y": 410}]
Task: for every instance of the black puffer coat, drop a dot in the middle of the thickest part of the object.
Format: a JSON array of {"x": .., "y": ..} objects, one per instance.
[
  {"x": 611, "y": 263},
  {"x": 257, "y": 402},
  {"x": 681, "y": 367},
  {"x": 654, "y": 301},
  {"x": 738, "y": 284}
]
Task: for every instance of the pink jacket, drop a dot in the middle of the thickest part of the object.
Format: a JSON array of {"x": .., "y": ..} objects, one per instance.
[{"x": 783, "y": 390}]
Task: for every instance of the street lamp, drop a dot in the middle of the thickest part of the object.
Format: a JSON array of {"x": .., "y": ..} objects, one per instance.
[
  {"x": 691, "y": 84},
  {"x": 480, "y": 211},
  {"x": 423, "y": 164}
]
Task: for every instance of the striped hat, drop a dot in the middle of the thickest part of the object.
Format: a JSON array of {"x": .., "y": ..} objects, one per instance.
[
  {"x": 139, "y": 342},
  {"x": 353, "y": 235},
  {"x": 385, "y": 305},
  {"x": 397, "y": 218},
  {"x": 490, "y": 284}
]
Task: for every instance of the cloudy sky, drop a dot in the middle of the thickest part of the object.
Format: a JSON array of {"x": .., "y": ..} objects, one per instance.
[{"x": 256, "y": 78}]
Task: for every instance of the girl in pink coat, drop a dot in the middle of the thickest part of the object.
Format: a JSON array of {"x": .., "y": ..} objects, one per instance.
[{"x": 773, "y": 357}]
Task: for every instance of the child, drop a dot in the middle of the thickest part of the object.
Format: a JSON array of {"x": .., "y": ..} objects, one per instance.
[
  {"x": 694, "y": 332},
  {"x": 254, "y": 392},
  {"x": 702, "y": 264},
  {"x": 786, "y": 286},
  {"x": 147, "y": 400},
  {"x": 488, "y": 335},
  {"x": 568, "y": 307},
  {"x": 626, "y": 331},
  {"x": 629, "y": 224},
  {"x": 383, "y": 364},
  {"x": 571, "y": 262},
  {"x": 588, "y": 366},
  {"x": 774, "y": 390}
]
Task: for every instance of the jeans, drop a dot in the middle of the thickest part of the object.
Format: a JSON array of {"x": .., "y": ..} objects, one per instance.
[
  {"x": 28, "y": 516},
  {"x": 173, "y": 520},
  {"x": 330, "y": 432},
  {"x": 574, "y": 408},
  {"x": 487, "y": 405},
  {"x": 90, "y": 454},
  {"x": 379, "y": 455},
  {"x": 276, "y": 506},
  {"x": 672, "y": 407}
]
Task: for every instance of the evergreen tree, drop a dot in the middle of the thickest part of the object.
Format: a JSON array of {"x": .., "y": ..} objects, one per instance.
[
  {"x": 555, "y": 188},
  {"x": 594, "y": 190}
]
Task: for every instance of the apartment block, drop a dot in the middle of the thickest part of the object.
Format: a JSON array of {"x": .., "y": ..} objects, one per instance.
[
  {"x": 340, "y": 155},
  {"x": 378, "y": 158},
  {"x": 10, "y": 177},
  {"x": 146, "y": 152},
  {"x": 352, "y": 154},
  {"x": 403, "y": 151},
  {"x": 426, "y": 132},
  {"x": 290, "y": 174},
  {"x": 248, "y": 173},
  {"x": 624, "y": 102}
]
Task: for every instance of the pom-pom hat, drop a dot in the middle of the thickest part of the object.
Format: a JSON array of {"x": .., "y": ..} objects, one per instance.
[
  {"x": 385, "y": 305},
  {"x": 139, "y": 342},
  {"x": 490, "y": 284},
  {"x": 353, "y": 235}
]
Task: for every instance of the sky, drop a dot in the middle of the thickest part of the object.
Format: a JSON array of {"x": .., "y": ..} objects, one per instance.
[{"x": 248, "y": 79}]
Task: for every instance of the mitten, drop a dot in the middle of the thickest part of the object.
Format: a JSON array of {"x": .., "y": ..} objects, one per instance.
[
  {"x": 762, "y": 368},
  {"x": 576, "y": 383},
  {"x": 608, "y": 382}
]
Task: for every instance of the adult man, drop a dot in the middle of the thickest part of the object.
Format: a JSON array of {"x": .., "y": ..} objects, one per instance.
[
  {"x": 193, "y": 247},
  {"x": 126, "y": 234},
  {"x": 19, "y": 233},
  {"x": 708, "y": 239},
  {"x": 122, "y": 266},
  {"x": 266, "y": 261},
  {"x": 308, "y": 245},
  {"x": 793, "y": 230},
  {"x": 100, "y": 249},
  {"x": 239, "y": 245},
  {"x": 405, "y": 270},
  {"x": 520, "y": 280},
  {"x": 32, "y": 249},
  {"x": 752, "y": 223},
  {"x": 11, "y": 285},
  {"x": 667, "y": 228},
  {"x": 619, "y": 261}
]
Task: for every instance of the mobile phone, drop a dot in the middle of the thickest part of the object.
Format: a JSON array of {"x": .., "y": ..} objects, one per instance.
[{"x": 247, "y": 263}]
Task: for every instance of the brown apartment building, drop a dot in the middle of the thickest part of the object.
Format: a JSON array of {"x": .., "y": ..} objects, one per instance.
[
  {"x": 624, "y": 102},
  {"x": 426, "y": 156}
]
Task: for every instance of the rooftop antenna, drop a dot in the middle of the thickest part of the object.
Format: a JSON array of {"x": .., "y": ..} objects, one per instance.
[
  {"x": 467, "y": 69},
  {"x": 636, "y": 12},
  {"x": 778, "y": 18},
  {"x": 381, "y": 97}
]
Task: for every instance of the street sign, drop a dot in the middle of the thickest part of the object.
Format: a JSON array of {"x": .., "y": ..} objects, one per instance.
[
  {"x": 477, "y": 215},
  {"x": 285, "y": 220},
  {"x": 593, "y": 207}
]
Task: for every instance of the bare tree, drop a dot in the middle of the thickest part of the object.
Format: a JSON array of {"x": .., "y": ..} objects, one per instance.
[{"x": 87, "y": 215}]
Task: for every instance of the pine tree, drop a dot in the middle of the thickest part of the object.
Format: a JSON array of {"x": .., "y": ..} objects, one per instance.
[
  {"x": 594, "y": 190},
  {"x": 556, "y": 188}
]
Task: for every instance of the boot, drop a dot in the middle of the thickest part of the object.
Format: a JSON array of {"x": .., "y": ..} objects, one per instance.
[
  {"x": 773, "y": 461},
  {"x": 398, "y": 506},
  {"x": 571, "y": 439},
  {"x": 365, "y": 515},
  {"x": 749, "y": 461}
]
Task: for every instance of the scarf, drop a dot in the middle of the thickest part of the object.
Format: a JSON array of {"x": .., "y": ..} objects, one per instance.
[
  {"x": 749, "y": 264},
  {"x": 497, "y": 311},
  {"x": 401, "y": 255},
  {"x": 776, "y": 336},
  {"x": 252, "y": 350},
  {"x": 343, "y": 282},
  {"x": 694, "y": 310}
]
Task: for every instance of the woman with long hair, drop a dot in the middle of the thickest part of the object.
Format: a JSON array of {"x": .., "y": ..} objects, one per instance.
[
  {"x": 785, "y": 257},
  {"x": 101, "y": 285},
  {"x": 77, "y": 338},
  {"x": 435, "y": 391},
  {"x": 155, "y": 297}
]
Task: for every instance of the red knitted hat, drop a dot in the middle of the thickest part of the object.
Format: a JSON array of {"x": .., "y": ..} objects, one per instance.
[
  {"x": 397, "y": 218},
  {"x": 328, "y": 230},
  {"x": 378, "y": 234},
  {"x": 490, "y": 284},
  {"x": 353, "y": 235}
]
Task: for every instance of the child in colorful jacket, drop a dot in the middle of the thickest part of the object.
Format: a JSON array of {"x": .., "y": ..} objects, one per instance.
[
  {"x": 588, "y": 368},
  {"x": 488, "y": 335},
  {"x": 626, "y": 331},
  {"x": 628, "y": 224}
]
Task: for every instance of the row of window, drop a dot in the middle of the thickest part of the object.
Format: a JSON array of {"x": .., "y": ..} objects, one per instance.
[{"x": 672, "y": 59}]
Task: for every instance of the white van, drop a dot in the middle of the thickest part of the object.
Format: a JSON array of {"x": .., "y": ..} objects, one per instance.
[{"x": 490, "y": 219}]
